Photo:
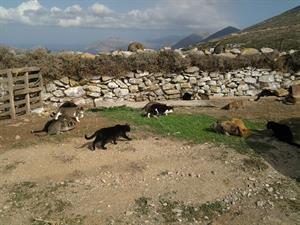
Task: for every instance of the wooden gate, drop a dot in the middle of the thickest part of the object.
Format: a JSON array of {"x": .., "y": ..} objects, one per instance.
[{"x": 20, "y": 91}]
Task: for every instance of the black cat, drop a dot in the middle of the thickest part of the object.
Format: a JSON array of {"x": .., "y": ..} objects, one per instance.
[
  {"x": 265, "y": 92},
  {"x": 158, "y": 109},
  {"x": 282, "y": 132},
  {"x": 108, "y": 134},
  {"x": 187, "y": 96}
]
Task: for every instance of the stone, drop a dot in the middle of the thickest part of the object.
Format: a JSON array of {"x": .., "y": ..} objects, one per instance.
[
  {"x": 133, "y": 88},
  {"x": 79, "y": 101},
  {"x": 92, "y": 88},
  {"x": 141, "y": 74},
  {"x": 121, "y": 92},
  {"x": 172, "y": 91},
  {"x": 235, "y": 51},
  {"x": 250, "y": 80},
  {"x": 178, "y": 78},
  {"x": 54, "y": 99},
  {"x": 121, "y": 84},
  {"x": 193, "y": 80},
  {"x": 249, "y": 51},
  {"x": 176, "y": 96},
  {"x": 129, "y": 75},
  {"x": 65, "y": 80},
  {"x": 106, "y": 78},
  {"x": 46, "y": 96},
  {"x": 243, "y": 87},
  {"x": 281, "y": 92},
  {"x": 212, "y": 82},
  {"x": 51, "y": 87},
  {"x": 204, "y": 79},
  {"x": 185, "y": 85},
  {"x": 38, "y": 110},
  {"x": 59, "y": 83},
  {"x": 108, "y": 95},
  {"x": 73, "y": 83},
  {"x": 87, "y": 56},
  {"x": 112, "y": 85},
  {"x": 215, "y": 89},
  {"x": 168, "y": 86},
  {"x": 75, "y": 92},
  {"x": 266, "y": 78},
  {"x": 192, "y": 69},
  {"x": 148, "y": 82},
  {"x": 135, "y": 80},
  {"x": 266, "y": 50},
  {"x": 232, "y": 85},
  {"x": 58, "y": 93},
  {"x": 17, "y": 137},
  {"x": 93, "y": 94}
]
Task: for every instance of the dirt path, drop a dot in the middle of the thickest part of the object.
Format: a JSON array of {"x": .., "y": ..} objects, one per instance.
[{"x": 149, "y": 180}]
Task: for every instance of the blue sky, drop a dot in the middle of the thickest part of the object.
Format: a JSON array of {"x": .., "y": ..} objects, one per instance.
[{"x": 51, "y": 22}]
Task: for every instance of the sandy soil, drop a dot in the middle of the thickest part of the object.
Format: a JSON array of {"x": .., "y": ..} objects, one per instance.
[{"x": 57, "y": 181}]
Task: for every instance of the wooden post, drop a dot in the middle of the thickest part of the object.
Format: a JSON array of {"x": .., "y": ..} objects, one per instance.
[
  {"x": 11, "y": 95},
  {"x": 41, "y": 86},
  {"x": 27, "y": 96}
]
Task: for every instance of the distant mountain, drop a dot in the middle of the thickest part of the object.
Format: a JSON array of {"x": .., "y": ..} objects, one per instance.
[
  {"x": 189, "y": 40},
  {"x": 161, "y": 42},
  {"x": 221, "y": 33},
  {"x": 107, "y": 45},
  {"x": 280, "y": 32}
]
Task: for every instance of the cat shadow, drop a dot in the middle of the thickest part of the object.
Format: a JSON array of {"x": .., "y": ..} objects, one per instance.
[{"x": 283, "y": 157}]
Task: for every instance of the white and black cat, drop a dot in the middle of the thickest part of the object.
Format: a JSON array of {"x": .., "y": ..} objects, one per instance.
[
  {"x": 157, "y": 109},
  {"x": 62, "y": 124},
  {"x": 108, "y": 134},
  {"x": 69, "y": 109}
]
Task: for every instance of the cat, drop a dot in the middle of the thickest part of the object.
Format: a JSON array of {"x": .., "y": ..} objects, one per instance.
[
  {"x": 108, "y": 134},
  {"x": 187, "y": 96},
  {"x": 282, "y": 132},
  {"x": 158, "y": 109},
  {"x": 265, "y": 93},
  {"x": 62, "y": 124},
  {"x": 232, "y": 127},
  {"x": 69, "y": 109}
]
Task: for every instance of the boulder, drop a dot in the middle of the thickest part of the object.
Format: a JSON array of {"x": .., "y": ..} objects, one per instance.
[
  {"x": 250, "y": 80},
  {"x": 121, "y": 92},
  {"x": 135, "y": 46},
  {"x": 59, "y": 83},
  {"x": 112, "y": 85},
  {"x": 249, "y": 51},
  {"x": 75, "y": 92},
  {"x": 192, "y": 69},
  {"x": 266, "y": 78},
  {"x": 91, "y": 88},
  {"x": 266, "y": 50}
]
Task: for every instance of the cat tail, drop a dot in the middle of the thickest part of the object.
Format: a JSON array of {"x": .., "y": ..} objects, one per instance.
[
  {"x": 258, "y": 97},
  {"x": 88, "y": 138}
]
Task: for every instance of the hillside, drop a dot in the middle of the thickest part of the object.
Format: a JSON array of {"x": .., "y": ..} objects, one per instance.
[
  {"x": 280, "y": 32},
  {"x": 107, "y": 45},
  {"x": 221, "y": 33},
  {"x": 189, "y": 40}
]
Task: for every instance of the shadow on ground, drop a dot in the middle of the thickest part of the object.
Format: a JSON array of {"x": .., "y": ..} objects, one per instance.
[{"x": 281, "y": 156}]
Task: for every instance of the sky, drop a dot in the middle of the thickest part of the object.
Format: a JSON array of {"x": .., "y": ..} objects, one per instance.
[{"x": 81, "y": 22}]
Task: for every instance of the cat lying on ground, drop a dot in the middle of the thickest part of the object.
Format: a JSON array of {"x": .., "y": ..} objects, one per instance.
[
  {"x": 282, "y": 132},
  {"x": 231, "y": 127},
  {"x": 62, "y": 124},
  {"x": 105, "y": 135}
]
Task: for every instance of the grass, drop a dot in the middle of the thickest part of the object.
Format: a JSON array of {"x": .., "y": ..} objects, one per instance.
[{"x": 195, "y": 128}]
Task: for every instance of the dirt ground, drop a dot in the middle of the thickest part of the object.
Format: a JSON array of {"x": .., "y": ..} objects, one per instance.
[{"x": 149, "y": 180}]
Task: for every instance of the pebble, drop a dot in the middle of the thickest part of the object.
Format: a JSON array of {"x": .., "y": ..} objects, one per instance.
[
  {"x": 260, "y": 203},
  {"x": 251, "y": 178},
  {"x": 18, "y": 137}
]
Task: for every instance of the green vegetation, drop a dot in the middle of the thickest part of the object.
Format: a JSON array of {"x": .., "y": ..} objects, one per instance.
[{"x": 189, "y": 127}]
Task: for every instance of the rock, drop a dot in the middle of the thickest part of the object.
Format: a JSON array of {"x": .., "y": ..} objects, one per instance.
[
  {"x": 79, "y": 101},
  {"x": 112, "y": 85},
  {"x": 135, "y": 80},
  {"x": 141, "y": 74},
  {"x": 133, "y": 88},
  {"x": 168, "y": 86},
  {"x": 192, "y": 69},
  {"x": 171, "y": 91},
  {"x": 185, "y": 86},
  {"x": 38, "y": 110},
  {"x": 87, "y": 56},
  {"x": 281, "y": 92},
  {"x": 93, "y": 94},
  {"x": 243, "y": 87},
  {"x": 121, "y": 84},
  {"x": 65, "y": 80},
  {"x": 266, "y": 50},
  {"x": 58, "y": 93},
  {"x": 75, "y": 92},
  {"x": 215, "y": 89},
  {"x": 249, "y": 51},
  {"x": 121, "y": 92},
  {"x": 93, "y": 89},
  {"x": 235, "y": 51},
  {"x": 135, "y": 46},
  {"x": 250, "y": 80},
  {"x": 178, "y": 78},
  {"x": 46, "y": 96},
  {"x": 73, "y": 83},
  {"x": 266, "y": 78},
  {"x": 59, "y": 83},
  {"x": 212, "y": 82},
  {"x": 176, "y": 96},
  {"x": 106, "y": 78},
  {"x": 18, "y": 137},
  {"x": 260, "y": 203},
  {"x": 51, "y": 87},
  {"x": 193, "y": 80}
]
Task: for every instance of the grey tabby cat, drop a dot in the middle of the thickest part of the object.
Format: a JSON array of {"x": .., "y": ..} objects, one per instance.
[
  {"x": 69, "y": 109},
  {"x": 62, "y": 124}
]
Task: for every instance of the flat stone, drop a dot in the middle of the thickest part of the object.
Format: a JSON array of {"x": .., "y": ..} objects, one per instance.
[
  {"x": 192, "y": 69},
  {"x": 249, "y": 51},
  {"x": 135, "y": 80},
  {"x": 121, "y": 92},
  {"x": 58, "y": 93},
  {"x": 250, "y": 80},
  {"x": 92, "y": 88},
  {"x": 168, "y": 86},
  {"x": 59, "y": 83},
  {"x": 185, "y": 85},
  {"x": 133, "y": 88},
  {"x": 121, "y": 84},
  {"x": 106, "y": 78},
  {"x": 51, "y": 87},
  {"x": 93, "y": 94},
  {"x": 65, "y": 80},
  {"x": 266, "y": 50},
  {"x": 266, "y": 78},
  {"x": 172, "y": 91},
  {"x": 112, "y": 85},
  {"x": 75, "y": 92},
  {"x": 235, "y": 51}
]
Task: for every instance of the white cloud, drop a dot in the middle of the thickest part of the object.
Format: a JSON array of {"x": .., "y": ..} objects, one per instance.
[{"x": 167, "y": 14}]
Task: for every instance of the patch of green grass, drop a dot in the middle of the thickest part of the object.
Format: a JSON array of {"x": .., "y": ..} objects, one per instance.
[{"x": 190, "y": 127}]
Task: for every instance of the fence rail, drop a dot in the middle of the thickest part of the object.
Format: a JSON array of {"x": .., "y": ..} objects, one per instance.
[{"x": 20, "y": 91}]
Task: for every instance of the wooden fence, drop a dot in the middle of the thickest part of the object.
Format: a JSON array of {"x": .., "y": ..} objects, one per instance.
[{"x": 20, "y": 91}]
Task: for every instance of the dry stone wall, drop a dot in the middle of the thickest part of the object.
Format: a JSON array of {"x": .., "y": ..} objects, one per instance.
[{"x": 142, "y": 85}]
